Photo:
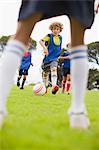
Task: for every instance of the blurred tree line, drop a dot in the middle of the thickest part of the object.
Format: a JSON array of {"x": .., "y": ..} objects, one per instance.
[
  {"x": 93, "y": 52},
  {"x": 4, "y": 39},
  {"x": 93, "y": 57}
]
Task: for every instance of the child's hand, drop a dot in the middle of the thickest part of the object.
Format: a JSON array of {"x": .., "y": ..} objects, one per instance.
[
  {"x": 46, "y": 52},
  {"x": 59, "y": 58}
]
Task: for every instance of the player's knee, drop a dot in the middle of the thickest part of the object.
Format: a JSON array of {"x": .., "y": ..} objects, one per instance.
[{"x": 45, "y": 74}]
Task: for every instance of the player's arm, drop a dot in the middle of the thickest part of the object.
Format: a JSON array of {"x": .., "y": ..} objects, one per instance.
[
  {"x": 44, "y": 43},
  {"x": 31, "y": 60},
  {"x": 64, "y": 57}
]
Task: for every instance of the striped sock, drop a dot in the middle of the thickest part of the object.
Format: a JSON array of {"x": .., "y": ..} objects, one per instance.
[{"x": 79, "y": 75}]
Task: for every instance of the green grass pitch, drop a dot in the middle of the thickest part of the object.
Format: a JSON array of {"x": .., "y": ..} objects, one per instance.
[{"x": 41, "y": 122}]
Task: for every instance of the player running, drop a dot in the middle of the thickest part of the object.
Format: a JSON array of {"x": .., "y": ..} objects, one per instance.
[{"x": 52, "y": 45}]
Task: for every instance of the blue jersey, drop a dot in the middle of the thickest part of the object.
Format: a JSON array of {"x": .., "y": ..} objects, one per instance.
[
  {"x": 53, "y": 50},
  {"x": 26, "y": 61},
  {"x": 66, "y": 62}
]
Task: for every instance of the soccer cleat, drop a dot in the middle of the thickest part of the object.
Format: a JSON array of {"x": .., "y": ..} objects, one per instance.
[
  {"x": 21, "y": 88},
  {"x": 68, "y": 93},
  {"x": 55, "y": 89},
  {"x": 79, "y": 120},
  {"x": 18, "y": 83}
]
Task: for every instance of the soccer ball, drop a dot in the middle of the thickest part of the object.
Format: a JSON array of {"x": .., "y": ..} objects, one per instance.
[{"x": 39, "y": 89}]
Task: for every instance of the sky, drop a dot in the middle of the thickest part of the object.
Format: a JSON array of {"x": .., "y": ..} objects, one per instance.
[{"x": 8, "y": 22}]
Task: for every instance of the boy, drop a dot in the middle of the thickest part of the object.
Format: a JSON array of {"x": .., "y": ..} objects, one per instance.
[
  {"x": 25, "y": 65},
  {"x": 66, "y": 81},
  {"x": 81, "y": 15},
  {"x": 52, "y": 48}
]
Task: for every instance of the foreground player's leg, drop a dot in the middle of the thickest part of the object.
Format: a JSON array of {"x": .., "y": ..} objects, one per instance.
[
  {"x": 9, "y": 63},
  {"x": 79, "y": 75},
  {"x": 12, "y": 56}
]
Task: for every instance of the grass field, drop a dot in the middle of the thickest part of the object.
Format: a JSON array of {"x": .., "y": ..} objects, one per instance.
[{"x": 41, "y": 123}]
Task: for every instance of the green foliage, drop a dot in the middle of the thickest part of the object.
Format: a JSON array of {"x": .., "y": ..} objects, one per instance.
[
  {"x": 33, "y": 42},
  {"x": 93, "y": 55},
  {"x": 94, "y": 45},
  {"x": 93, "y": 77},
  {"x": 93, "y": 52},
  {"x": 41, "y": 123},
  {"x": 4, "y": 40}
]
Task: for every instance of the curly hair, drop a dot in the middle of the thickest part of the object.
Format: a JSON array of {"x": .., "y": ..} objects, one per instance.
[{"x": 56, "y": 24}]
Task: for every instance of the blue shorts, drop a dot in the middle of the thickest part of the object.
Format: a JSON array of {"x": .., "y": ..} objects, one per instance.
[{"x": 82, "y": 10}]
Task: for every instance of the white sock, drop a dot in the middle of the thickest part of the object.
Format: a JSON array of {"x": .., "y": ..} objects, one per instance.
[
  {"x": 79, "y": 75},
  {"x": 54, "y": 80},
  {"x": 54, "y": 76},
  {"x": 9, "y": 62}
]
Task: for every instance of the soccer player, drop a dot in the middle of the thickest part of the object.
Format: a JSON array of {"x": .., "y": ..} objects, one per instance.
[
  {"x": 24, "y": 67},
  {"x": 66, "y": 81},
  {"x": 81, "y": 15},
  {"x": 51, "y": 44}
]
